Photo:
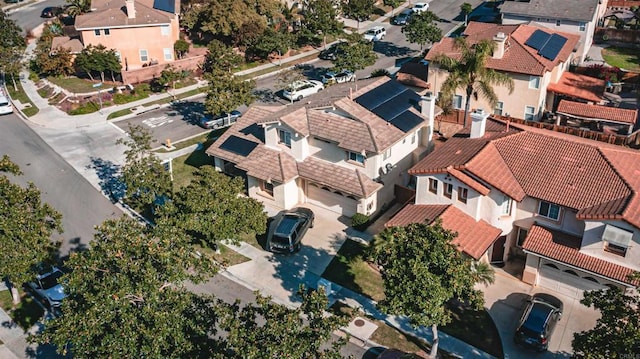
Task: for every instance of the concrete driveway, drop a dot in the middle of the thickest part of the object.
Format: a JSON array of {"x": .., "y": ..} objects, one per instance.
[{"x": 505, "y": 301}]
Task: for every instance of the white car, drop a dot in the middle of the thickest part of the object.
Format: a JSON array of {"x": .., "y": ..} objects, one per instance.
[
  {"x": 339, "y": 77},
  {"x": 420, "y": 7},
  {"x": 47, "y": 287},
  {"x": 5, "y": 105},
  {"x": 375, "y": 33},
  {"x": 299, "y": 89}
]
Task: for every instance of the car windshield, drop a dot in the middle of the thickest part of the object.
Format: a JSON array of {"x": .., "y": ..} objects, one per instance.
[
  {"x": 4, "y": 103},
  {"x": 51, "y": 280},
  {"x": 371, "y": 32},
  {"x": 279, "y": 239}
]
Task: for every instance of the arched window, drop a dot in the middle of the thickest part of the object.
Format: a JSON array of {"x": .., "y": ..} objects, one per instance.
[
  {"x": 592, "y": 279},
  {"x": 569, "y": 271},
  {"x": 551, "y": 265}
]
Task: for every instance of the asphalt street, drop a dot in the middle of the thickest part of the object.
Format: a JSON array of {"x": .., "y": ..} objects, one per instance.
[{"x": 27, "y": 13}]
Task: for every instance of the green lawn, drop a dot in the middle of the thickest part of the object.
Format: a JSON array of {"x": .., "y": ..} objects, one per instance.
[
  {"x": 22, "y": 97},
  {"x": 627, "y": 58},
  {"x": 349, "y": 269},
  {"x": 77, "y": 85},
  {"x": 26, "y": 314},
  {"x": 227, "y": 256},
  {"x": 185, "y": 166}
]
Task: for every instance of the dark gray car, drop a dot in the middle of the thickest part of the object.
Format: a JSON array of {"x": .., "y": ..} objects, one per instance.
[
  {"x": 538, "y": 321},
  {"x": 402, "y": 18},
  {"x": 220, "y": 120},
  {"x": 288, "y": 228}
]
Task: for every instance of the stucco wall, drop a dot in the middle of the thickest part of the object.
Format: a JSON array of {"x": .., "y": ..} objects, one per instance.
[{"x": 593, "y": 245}]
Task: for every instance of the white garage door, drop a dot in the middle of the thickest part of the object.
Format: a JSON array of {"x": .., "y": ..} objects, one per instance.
[
  {"x": 332, "y": 200},
  {"x": 565, "y": 280}
]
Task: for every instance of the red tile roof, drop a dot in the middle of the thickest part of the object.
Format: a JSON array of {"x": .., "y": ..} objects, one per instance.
[
  {"x": 565, "y": 248},
  {"x": 518, "y": 57},
  {"x": 597, "y": 112},
  {"x": 474, "y": 238},
  {"x": 580, "y": 86},
  {"x": 475, "y": 185}
]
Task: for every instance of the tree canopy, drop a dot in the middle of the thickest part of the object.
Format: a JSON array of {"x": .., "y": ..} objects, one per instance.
[
  {"x": 98, "y": 59},
  {"x": 421, "y": 272},
  {"x": 27, "y": 226},
  {"x": 466, "y": 9},
  {"x": 355, "y": 54},
  {"x": 617, "y": 332},
  {"x": 423, "y": 28},
  {"x": 359, "y": 10},
  {"x": 12, "y": 45},
  {"x": 320, "y": 18},
  {"x": 470, "y": 73}
]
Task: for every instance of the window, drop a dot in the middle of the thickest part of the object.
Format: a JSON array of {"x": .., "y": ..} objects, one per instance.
[
  {"x": 506, "y": 206},
  {"x": 457, "y": 101},
  {"x": 386, "y": 154},
  {"x": 529, "y": 113},
  {"x": 549, "y": 210},
  {"x": 498, "y": 109},
  {"x": 96, "y": 32},
  {"x": 266, "y": 188},
  {"x": 534, "y": 82},
  {"x": 522, "y": 235},
  {"x": 168, "y": 54},
  {"x": 616, "y": 239},
  {"x": 413, "y": 138},
  {"x": 356, "y": 157},
  {"x": 448, "y": 190},
  {"x": 144, "y": 55},
  {"x": 433, "y": 185},
  {"x": 107, "y": 32},
  {"x": 462, "y": 194},
  {"x": 582, "y": 26},
  {"x": 164, "y": 30},
  {"x": 284, "y": 137},
  {"x": 118, "y": 55},
  {"x": 557, "y": 22}
]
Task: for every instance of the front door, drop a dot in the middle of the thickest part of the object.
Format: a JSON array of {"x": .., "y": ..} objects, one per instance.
[{"x": 497, "y": 251}]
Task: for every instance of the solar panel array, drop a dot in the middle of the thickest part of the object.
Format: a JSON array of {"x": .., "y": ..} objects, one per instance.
[
  {"x": 548, "y": 45},
  {"x": 238, "y": 145},
  {"x": 165, "y": 5},
  {"x": 392, "y": 102}
]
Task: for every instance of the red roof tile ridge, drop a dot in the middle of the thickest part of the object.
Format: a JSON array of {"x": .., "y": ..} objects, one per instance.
[
  {"x": 468, "y": 180},
  {"x": 359, "y": 175}
]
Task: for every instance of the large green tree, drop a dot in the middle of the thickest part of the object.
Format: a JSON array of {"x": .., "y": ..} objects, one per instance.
[
  {"x": 126, "y": 299},
  {"x": 98, "y": 59},
  {"x": 143, "y": 175},
  {"x": 320, "y": 19},
  {"x": 78, "y": 7},
  {"x": 423, "y": 28},
  {"x": 422, "y": 270},
  {"x": 26, "y": 225},
  {"x": 268, "y": 330},
  {"x": 393, "y": 3},
  {"x": 354, "y": 54},
  {"x": 12, "y": 45},
  {"x": 617, "y": 331},
  {"x": 469, "y": 72},
  {"x": 211, "y": 208},
  {"x": 359, "y": 10}
]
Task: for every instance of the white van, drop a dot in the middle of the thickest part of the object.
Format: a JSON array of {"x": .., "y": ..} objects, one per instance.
[{"x": 5, "y": 105}]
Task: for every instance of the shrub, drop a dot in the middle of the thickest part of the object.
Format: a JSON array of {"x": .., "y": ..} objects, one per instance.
[
  {"x": 359, "y": 221},
  {"x": 380, "y": 73},
  {"x": 89, "y": 107}
]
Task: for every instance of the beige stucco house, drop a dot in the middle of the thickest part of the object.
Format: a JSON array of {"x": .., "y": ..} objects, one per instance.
[
  {"x": 568, "y": 205},
  {"x": 521, "y": 54},
  {"x": 142, "y": 32},
  {"x": 343, "y": 149}
]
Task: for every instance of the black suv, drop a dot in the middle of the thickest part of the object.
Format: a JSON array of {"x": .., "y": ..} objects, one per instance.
[
  {"x": 541, "y": 314},
  {"x": 332, "y": 52},
  {"x": 288, "y": 228}
]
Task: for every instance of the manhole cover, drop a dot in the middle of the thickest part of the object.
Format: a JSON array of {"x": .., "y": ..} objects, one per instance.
[{"x": 358, "y": 323}]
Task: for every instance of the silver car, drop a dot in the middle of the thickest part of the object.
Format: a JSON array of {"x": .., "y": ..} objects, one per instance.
[
  {"x": 339, "y": 77},
  {"x": 300, "y": 89},
  {"x": 46, "y": 285}
]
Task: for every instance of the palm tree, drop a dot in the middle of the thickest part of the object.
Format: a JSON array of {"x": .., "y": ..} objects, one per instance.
[
  {"x": 469, "y": 72},
  {"x": 78, "y": 7},
  {"x": 483, "y": 273}
]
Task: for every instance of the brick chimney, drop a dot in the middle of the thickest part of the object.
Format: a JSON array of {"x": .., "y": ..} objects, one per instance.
[
  {"x": 500, "y": 40},
  {"x": 428, "y": 110},
  {"x": 478, "y": 123},
  {"x": 131, "y": 9}
]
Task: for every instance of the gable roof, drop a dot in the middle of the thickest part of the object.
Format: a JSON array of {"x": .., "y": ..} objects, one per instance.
[
  {"x": 596, "y": 179},
  {"x": 474, "y": 238},
  {"x": 565, "y": 248},
  {"x": 112, "y": 14},
  {"x": 580, "y": 86},
  {"x": 606, "y": 113},
  {"x": 575, "y": 10},
  {"x": 518, "y": 57}
]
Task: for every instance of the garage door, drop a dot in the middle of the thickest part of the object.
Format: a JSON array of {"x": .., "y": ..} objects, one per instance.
[
  {"x": 331, "y": 199},
  {"x": 566, "y": 280}
]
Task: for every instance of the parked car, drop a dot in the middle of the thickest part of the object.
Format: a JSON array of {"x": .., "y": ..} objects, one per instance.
[
  {"x": 340, "y": 77},
  {"x": 538, "y": 321},
  {"x": 46, "y": 286},
  {"x": 51, "y": 11},
  {"x": 222, "y": 120},
  {"x": 12, "y": 1},
  {"x": 331, "y": 53},
  {"x": 420, "y": 7},
  {"x": 303, "y": 88},
  {"x": 375, "y": 33},
  {"x": 5, "y": 105},
  {"x": 288, "y": 228},
  {"x": 403, "y": 17}
]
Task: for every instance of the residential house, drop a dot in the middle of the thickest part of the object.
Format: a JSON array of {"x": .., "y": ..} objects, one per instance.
[
  {"x": 569, "y": 206},
  {"x": 572, "y": 16},
  {"x": 343, "y": 149},
  {"x": 537, "y": 60},
  {"x": 142, "y": 32}
]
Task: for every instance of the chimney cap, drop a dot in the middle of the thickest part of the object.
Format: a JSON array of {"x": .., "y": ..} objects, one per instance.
[{"x": 501, "y": 35}]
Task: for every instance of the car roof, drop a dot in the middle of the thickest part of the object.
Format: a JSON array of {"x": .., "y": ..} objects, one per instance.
[
  {"x": 406, "y": 12},
  {"x": 538, "y": 316},
  {"x": 420, "y": 4},
  {"x": 376, "y": 28},
  {"x": 287, "y": 224}
]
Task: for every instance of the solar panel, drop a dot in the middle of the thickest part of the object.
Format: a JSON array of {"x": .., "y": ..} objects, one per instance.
[
  {"x": 379, "y": 95},
  {"x": 238, "y": 145},
  {"x": 396, "y": 105},
  {"x": 407, "y": 121},
  {"x": 165, "y": 5},
  {"x": 537, "y": 39},
  {"x": 552, "y": 48}
]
